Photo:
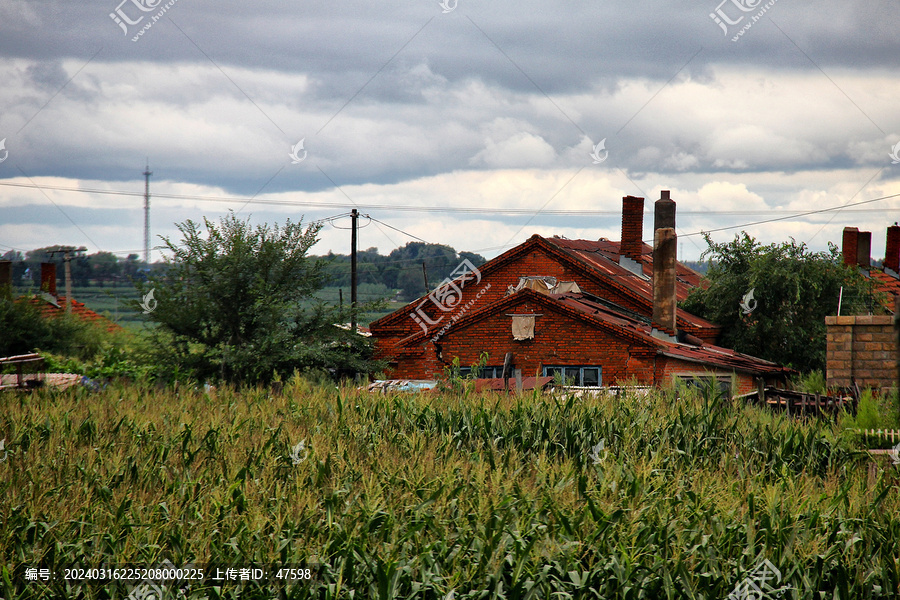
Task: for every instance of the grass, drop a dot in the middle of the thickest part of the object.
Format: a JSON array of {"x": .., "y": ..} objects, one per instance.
[{"x": 441, "y": 496}]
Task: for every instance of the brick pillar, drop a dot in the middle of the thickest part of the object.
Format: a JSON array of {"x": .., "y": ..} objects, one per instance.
[
  {"x": 897, "y": 338},
  {"x": 848, "y": 245},
  {"x": 632, "y": 228},
  {"x": 892, "y": 249},
  {"x": 665, "y": 245},
  {"x": 664, "y": 212},
  {"x": 864, "y": 249},
  {"x": 48, "y": 278}
]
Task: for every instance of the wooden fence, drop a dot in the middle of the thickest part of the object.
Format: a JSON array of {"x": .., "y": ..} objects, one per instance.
[
  {"x": 801, "y": 403},
  {"x": 891, "y": 435}
]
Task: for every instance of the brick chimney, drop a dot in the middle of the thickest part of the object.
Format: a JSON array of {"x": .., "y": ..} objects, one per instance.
[
  {"x": 892, "y": 249},
  {"x": 665, "y": 244},
  {"x": 48, "y": 278},
  {"x": 864, "y": 249},
  {"x": 632, "y": 244},
  {"x": 848, "y": 245},
  {"x": 664, "y": 212}
]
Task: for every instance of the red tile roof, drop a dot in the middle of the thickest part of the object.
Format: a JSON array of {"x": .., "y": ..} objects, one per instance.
[
  {"x": 603, "y": 256},
  {"x": 887, "y": 284},
  {"x": 595, "y": 257},
  {"x": 702, "y": 353},
  {"x": 51, "y": 307}
]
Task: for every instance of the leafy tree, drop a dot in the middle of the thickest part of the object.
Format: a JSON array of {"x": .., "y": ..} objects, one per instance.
[
  {"x": 24, "y": 329},
  {"x": 233, "y": 304},
  {"x": 793, "y": 291},
  {"x": 132, "y": 265},
  {"x": 105, "y": 267},
  {"x": 402, "y": 268}
]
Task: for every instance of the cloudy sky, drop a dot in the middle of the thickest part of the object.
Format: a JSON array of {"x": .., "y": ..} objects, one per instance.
[{"x": 469, "y": 123}]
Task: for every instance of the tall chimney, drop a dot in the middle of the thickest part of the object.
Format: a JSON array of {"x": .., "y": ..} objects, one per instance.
[
  {"x": 848, "y": 245},
  {"x": 864, "y": 249},
  {"x": 5, "y": 273},
  {"x": 48, "y": 278},
  {"x": 892, "y": 249},
  {"x": 665, "y": 244},
  {"x": 664, "y": 212},
  {"x": 632, "y": 245}
]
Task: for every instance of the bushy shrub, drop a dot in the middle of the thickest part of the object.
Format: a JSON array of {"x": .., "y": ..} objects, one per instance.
[{"x": 24, "y": 329}]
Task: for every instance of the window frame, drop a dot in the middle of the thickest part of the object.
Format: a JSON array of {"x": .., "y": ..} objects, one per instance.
[
  {"x": 548, "y": 370},
  {"x": 496, "y": 372}
]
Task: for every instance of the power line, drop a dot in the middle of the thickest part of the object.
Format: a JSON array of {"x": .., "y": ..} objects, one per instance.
[
  {"x": 398, "y": 230},
  {"x": 802, "y": 214},
  {"x": 432, "y": 209}
]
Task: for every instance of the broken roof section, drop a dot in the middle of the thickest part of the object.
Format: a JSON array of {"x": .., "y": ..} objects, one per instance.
[{"x": 689, "y": 349}]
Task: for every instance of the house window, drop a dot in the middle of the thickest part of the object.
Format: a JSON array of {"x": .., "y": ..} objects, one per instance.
[
  {"x": 483, "y": 372},
  {"x": 723, "y": 382},
  {"x": 580, "y": 376}
]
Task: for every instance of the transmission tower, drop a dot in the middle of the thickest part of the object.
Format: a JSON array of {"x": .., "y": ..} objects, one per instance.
[{"x": 147, "y": 174}]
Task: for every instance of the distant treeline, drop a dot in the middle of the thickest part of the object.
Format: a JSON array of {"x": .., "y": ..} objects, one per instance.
[
  {"x": 401, "y": 269},
  {"x": 100, "y": 268}
]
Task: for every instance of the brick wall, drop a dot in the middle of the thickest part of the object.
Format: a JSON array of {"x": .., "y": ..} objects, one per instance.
[
  {"x": 861, "y": 347},
  {"x": 559, "y": 339},
  {"x": 672, "y": 367}
]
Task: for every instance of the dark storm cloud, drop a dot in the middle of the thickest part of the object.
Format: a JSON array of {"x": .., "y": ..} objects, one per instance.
[{"x": 216, "y": 93}]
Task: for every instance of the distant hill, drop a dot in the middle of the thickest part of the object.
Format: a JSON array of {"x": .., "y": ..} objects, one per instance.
[
  {"x": 700, "y": 267},
  {"x": 402, "y": 269}
]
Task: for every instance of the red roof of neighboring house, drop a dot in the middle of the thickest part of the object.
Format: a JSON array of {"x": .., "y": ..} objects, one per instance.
[
  {"x": 54, "y": 306},
  {"x": 886, "y": 283}
]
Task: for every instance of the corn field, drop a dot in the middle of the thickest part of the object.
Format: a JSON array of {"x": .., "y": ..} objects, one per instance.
[{"x": 671, "y": 495}]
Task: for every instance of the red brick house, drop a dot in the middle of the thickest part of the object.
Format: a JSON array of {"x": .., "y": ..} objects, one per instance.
[{"x": 589, "y": 310}]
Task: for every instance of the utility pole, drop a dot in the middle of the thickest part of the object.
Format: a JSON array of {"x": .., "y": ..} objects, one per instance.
[
  {"x": 147, "y": 174},
  {"x": 67, "y": 251},
  {"x": 425, "y": 274},
  {"x": 354, "y": 217}
]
